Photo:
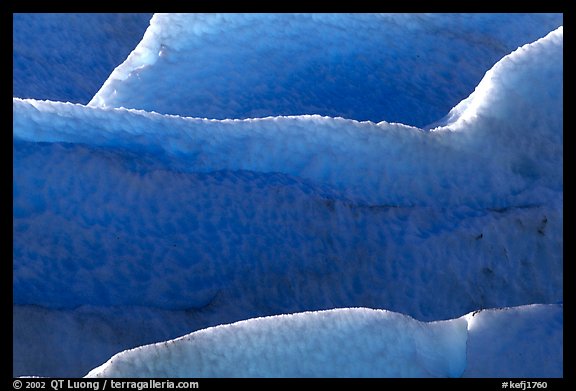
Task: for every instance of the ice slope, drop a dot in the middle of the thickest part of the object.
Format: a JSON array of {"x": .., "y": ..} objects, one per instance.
[
  {"x": 407, "y": 68},
  {"x": 350, "y": 342},
  {"x": 358, "y": 342},
  {"x": 232, "y": 208},
  {"x": 519, "y": 119},
  {"x": 235, "y": 219},
  {"x": 521, "y": 342},
  {"x": 67, "y": 56},
  {"x": 84, "y": 337},
  {"x": 218, "y": 221}
]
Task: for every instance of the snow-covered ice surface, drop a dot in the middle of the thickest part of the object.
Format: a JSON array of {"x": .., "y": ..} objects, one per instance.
[
  {"x": 169, "y": 224},
  {"x": 359, "y": 342},
  {"x": 407, "y": 68},
  {"x": 351, "y": 342},
  {"x": 67, "y": 57}
]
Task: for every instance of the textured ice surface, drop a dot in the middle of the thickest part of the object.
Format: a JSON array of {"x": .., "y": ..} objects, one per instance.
[
  {"x": 523, "y": 342},
  {"x": 511, "y": 132},
  {"x": 215, "y": 221},
  {"x": 69, "y": 343},
  {"x": 266, "y": 241},
  {"x": 357, "y": 342},
  {"x": 282, "y": 209},
  {"x": 352, "y": 342},
  {"x": 408, "y": 68},
  {"x": 67, "y": 57}
]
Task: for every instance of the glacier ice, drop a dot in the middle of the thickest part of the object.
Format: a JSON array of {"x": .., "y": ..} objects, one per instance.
[
  {"x": 67, "y": 56},
  {"x": 83, "y": 337},
  {"x": 505, "y": 342},
  {"x": 131, "y": 216},
  {"x": 351, "y": 342},
  {"x": 408, "y": 68},
  {"x": 226, "y": 207},
  {"x": 358, "y": 342}
]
